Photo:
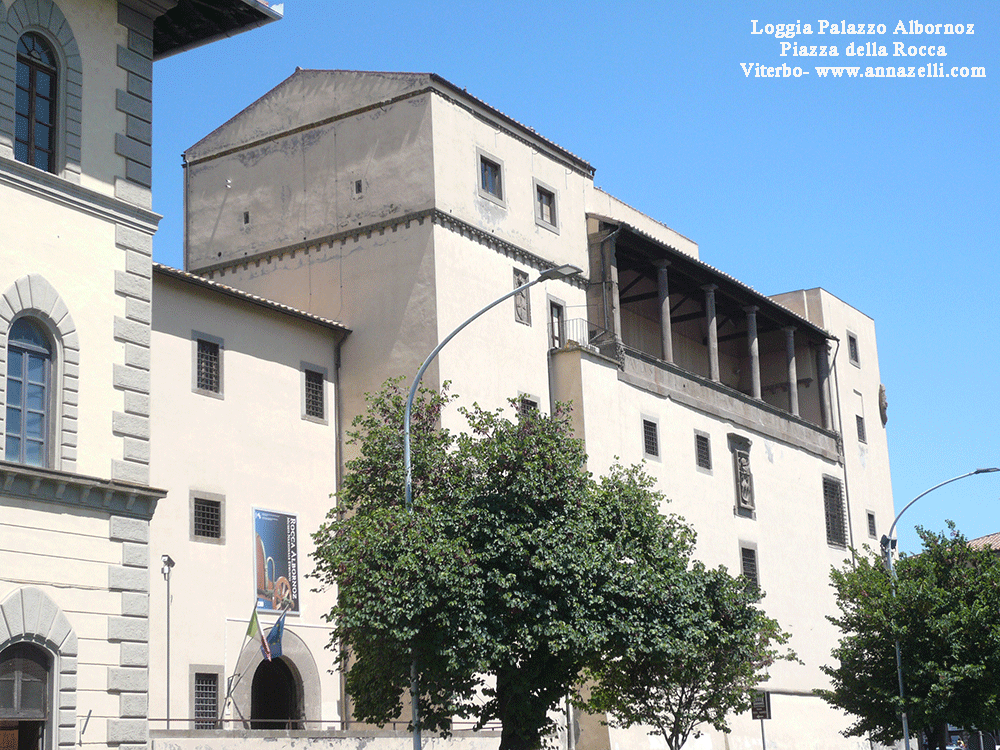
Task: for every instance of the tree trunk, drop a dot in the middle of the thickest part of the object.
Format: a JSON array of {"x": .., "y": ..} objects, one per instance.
[{"x": 520, "y": 715}]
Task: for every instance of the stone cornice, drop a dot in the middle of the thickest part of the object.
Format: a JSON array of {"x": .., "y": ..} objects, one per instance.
[
  {"x": 439, "y": 218},
  {"x": 78, "y": 491},
  {"x": 35, "y": 182}
]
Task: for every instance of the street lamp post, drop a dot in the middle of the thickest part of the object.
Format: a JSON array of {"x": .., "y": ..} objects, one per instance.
[
  {"x": 887, "y": 543},
  {"x": 560, "y": 272},
  {"x": 168, "y": 565}
]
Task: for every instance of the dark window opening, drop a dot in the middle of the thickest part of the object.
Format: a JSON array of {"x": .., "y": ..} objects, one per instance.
[
  {"x": 207, "y": 518},
  {"x": 24, "y": 689},
  {"x": 833, "y": 505},
  {"x": 852, "y": 349},
  {"x": 557, "y": 325},
  {"x": 650, "y": 438},
  {"x": 545, "y": 206},
  {"x": 748, "y": 562},
  {"x": 206, "y": 700},
  {"x": 490, "y": 178},
  {"x": 314, "y": 395},
  {"x": 35, "y": 103},
  {"x": 209, "y": 367},
  {"x": 872, "y": 532},
  {"x": 273, "y": 697},
  {"x": 703, "y": 451},
  {"x": 862, "y": 437}
]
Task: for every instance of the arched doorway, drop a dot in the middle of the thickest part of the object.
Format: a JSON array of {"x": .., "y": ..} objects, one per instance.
[
  {"x": 274, "y": 699},
  {"x": 24, "y": 690}
]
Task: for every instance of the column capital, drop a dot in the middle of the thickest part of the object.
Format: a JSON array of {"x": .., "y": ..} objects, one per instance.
[
  {"x": 751, "y": 309},
  {"x": 789, "y": 329},
  {"x": 710, "y": 287},
  {"x": 661, "y": 262}
]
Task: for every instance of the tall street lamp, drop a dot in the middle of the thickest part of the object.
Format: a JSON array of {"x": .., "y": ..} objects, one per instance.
[
  {"x": 887, "y": 543},
  {"x": 560, "y": 272},
  {"x": 168, "y": 565}
]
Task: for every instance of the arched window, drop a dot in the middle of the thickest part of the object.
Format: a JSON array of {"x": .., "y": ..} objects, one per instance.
[
  {"x": 24, "y": 696},
  {"x": 29, "y": 375},
  {"x": 34, "y": 129}
]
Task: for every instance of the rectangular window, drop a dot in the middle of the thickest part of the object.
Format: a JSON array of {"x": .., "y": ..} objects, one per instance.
[
  {"x": 703, "y": 451},
  {"x": 545, "y": 205},
  {"x": 206, "y": 700},
  {"x": 491, "y": 177},
  {"x": 836, "y": 518},
  {"x": 748, "y": 565},
  {"x": 852, "y": 349},
  {"x": 650, "y": 438},
  {"x": 208, "y": 369},
  {"x": 557, "y": 325},
  {"x": 526, "y": 405},
  {"x": 207, "y": 518},
  {"x": 315, "y": 404},
  {"x": 872, "y": 531},
  {"x": 861, "y": 429}
]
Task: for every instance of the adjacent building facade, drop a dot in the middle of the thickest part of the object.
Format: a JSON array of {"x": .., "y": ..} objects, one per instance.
[
  {"x": 398, "y": 204},
  {"x": 76, "y": 494}
]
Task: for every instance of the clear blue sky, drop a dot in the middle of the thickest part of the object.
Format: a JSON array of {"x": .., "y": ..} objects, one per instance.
[{"x": 884, "y": 192}]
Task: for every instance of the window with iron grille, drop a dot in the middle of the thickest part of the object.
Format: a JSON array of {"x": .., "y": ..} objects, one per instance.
[
  {"x": 209, "y": 367},
  {"x": 748, "y": 564},
  {"x": 206, "y": 700},
  {"x": 650, "y": 438},
  {"x": 861, "y": 429},
  {"x": 703, "y": 451},
  {"x": 836, "y": 517},
  {"x": 872, "y": 532},
  {"x": 526, "y": 405},
  {"x": 207, "y": 518},
  {"x": 315, "y": 406},
  {"x": 852, "y": 349}
]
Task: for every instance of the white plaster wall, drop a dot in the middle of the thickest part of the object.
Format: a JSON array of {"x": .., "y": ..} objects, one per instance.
[
  {"x": 788, "y": 531},
  {"x": 252, "y": 447},
  {"x": 300, "y": 186},
  {"x": 76, "y": 253},
  {"x": 457, "y": 136},
  {"x": 95, "y": 27}
]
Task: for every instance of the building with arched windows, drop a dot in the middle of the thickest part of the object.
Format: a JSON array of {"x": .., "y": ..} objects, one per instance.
[{"x": 76, "y": 496}]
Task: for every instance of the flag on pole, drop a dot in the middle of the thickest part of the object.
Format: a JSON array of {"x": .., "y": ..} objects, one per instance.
[
  {"x": 273, "y": 642},
  {"x": 254, "y": 631}
]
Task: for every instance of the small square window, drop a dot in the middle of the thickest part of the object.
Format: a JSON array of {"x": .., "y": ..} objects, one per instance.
[
  {"x": 853, "y": 352},
  {"x": 872, "y": 532},
  {"x": 315, "y": 406},
  {"x": 861, "y": 429},
  {"x": 748, "y": 565},
  {"x": 206, "y": 700},
  {"x": 207, "y": 518},
  {"x": 208, "y": 366},
  {"x": 650, "y": 438},
  {"x": 833, "y": 506},
  {"x": 703, "y": 451},
  {"x": 527, "y": 405},
  {"x": 490, "y": 180}
]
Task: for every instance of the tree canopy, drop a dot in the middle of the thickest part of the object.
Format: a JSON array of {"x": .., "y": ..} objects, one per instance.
[
  {"x": 516, "y": 574},
  {"x": 946, "y": 615}
]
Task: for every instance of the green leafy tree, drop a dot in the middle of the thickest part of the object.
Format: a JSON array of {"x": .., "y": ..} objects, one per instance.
[
  {"x": 697, "y": 647},
  {"x": 946, "y": 616},
  {"x": 515, "y": 573}
]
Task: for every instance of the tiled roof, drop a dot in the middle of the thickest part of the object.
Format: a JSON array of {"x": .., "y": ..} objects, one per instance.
[
  {"x": 990, "y": 541},
  {"x": 247, "y": 297}
]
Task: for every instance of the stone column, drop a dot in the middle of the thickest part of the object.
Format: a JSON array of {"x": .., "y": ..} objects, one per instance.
[
  {"x": 793, "y": 377},
  {"x": 823, "y": 371},
  {"x": 663, "y": 295},
  {"x": 713, "y": 331},
  {"x": 753, "y": 347}
]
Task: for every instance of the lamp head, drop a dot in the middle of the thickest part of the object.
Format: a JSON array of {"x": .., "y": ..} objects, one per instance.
[{"x": 559, "y": 272}]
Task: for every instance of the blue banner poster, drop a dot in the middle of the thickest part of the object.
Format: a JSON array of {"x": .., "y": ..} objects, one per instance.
[{"x": 276, "y": 553}]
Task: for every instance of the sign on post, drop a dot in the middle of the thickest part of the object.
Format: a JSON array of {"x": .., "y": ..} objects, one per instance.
[{"x": 761, "y": 708}]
